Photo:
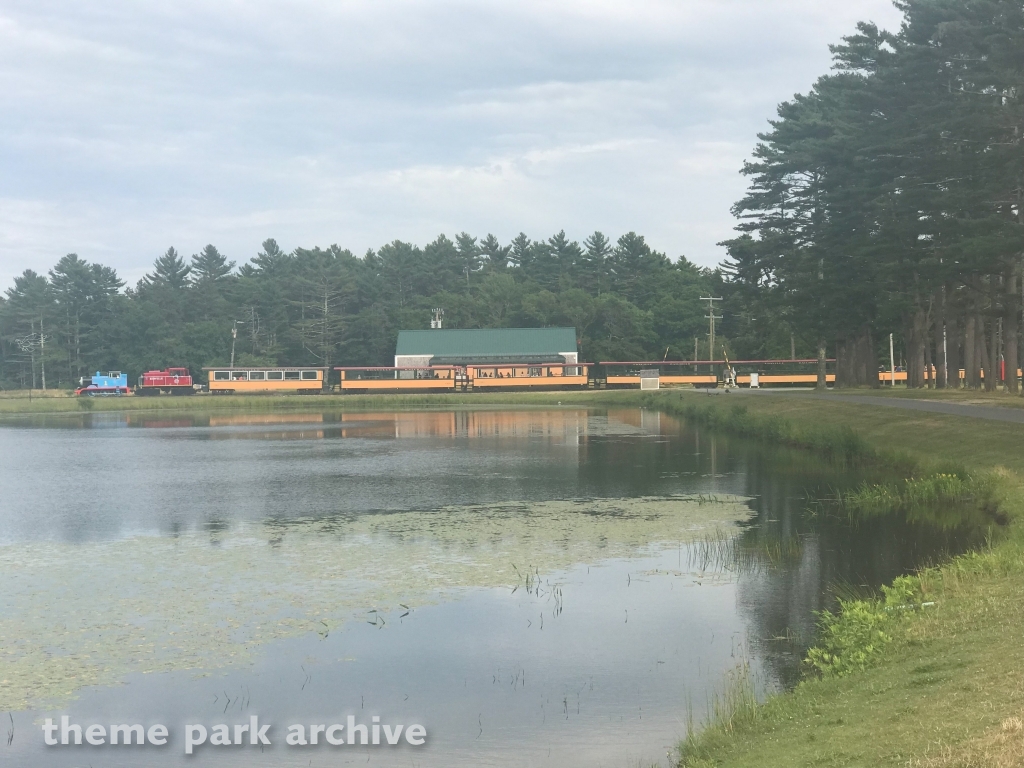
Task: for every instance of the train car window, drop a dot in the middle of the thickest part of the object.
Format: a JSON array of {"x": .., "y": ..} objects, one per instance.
[
  {"x": 275, "y": 375},
  {"x": 309, "y": 375},
  {"x": 291, "y": 375},
  {"x": 257, "y": 376},
  {"x": 221, "y": 376},
  {"x": 239, "y": 375}
]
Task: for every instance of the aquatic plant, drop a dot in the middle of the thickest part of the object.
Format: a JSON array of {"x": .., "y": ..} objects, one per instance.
[
  {"x": 206, "y": 600},
  {"x": 837, "y": 443},
  {"x": 945, "y": 499},
  {"x": 719, "y": 551}
]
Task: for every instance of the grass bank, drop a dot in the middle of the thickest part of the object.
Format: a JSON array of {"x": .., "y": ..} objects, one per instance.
[
  {"x": 931, "y": 673},
  {"x": 21, "y": 406}
]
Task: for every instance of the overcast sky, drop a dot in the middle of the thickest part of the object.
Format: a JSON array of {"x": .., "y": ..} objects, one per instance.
[{"x": 127, "y": 126}]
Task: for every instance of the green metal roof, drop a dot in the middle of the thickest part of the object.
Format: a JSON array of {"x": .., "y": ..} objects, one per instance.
[{"x": 487, "y": 343}]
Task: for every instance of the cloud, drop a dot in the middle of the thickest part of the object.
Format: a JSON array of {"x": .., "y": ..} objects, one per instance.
[{"x": 132, "y": 126}]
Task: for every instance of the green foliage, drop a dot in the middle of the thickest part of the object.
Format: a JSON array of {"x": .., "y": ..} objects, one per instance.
[
  {"x": 837, "y": 443},
  {"x": 888, "y": 198},
  {"x": 849, "y": 639},
  {"x": 853, "y": 637},
  {"x": 329, "y": 307},
  {"x": 945, "y": 499}
]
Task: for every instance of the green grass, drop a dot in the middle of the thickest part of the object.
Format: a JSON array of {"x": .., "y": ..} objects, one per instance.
[
  {"x": 943, "y": 682},
  {"x": 15, "y": 406},
  {"x": 929, "y": 439},
  {"x": 892, "y": 683}
]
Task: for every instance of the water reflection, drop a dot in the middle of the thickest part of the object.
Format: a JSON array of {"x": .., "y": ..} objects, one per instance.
[{"x": 541, "y": 587}]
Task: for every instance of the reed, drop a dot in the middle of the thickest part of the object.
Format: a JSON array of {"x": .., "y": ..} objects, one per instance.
[
  {"x": 728, "y": 708},
  {"x": 838, "y": 443},
  {"x": 748, "y": 554}
]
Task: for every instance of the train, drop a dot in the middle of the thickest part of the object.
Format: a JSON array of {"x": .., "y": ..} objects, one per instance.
[
  {"x": 449, "y": 378},
  {"x": 170, "y": 381},
  {"x": 267, "y": 380},
  {"x": 102, "y": 384},
  {"x": 517, "y": 376}
]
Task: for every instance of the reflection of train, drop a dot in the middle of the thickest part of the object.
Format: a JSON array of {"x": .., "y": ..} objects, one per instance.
[
  {"x": 275, "y": 380},
  {"x": 173, "y": 381},
  {"x": 112, "y": 383}
]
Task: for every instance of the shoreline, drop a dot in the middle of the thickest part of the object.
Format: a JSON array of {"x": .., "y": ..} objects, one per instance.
[{"x": 928, "y": 674}]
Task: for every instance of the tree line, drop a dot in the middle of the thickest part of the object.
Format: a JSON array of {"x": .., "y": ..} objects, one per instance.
[
  {"x": 889, "y": 198},
  {"x": 327, "y": 306}
]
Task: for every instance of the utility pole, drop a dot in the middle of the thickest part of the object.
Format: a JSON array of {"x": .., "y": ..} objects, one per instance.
[
  {"x": 945, "y": 358},
  {"x": 33, "y": 344},
  {"x": 234, "y": 335},
  {"x": 437, "y": 319},
  {"x": 712, "y": 317},
  {"x": 892, "y": 363},
  {"x": 42, "y": 352}
]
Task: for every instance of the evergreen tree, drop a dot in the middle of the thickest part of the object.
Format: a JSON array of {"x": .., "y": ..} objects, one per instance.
[
  {"x": 209, "y": 266},
  {"x": 469, "y": 254},
  {"x": 594, "y": 267},
  {"x": 496, "y": 256},
  {"x": 520, "y": 256},
  {"x": 169, "y": 271}
]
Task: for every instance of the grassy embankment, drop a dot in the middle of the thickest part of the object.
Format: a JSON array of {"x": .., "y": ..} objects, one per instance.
[
  {"x": 939, "y": 686},
  {"x": 12, "y": 405}
]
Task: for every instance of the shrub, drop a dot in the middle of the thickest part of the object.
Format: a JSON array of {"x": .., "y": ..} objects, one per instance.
[{"x": 850, "y": 638}]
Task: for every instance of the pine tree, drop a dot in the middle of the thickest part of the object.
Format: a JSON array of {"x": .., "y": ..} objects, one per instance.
[
  {"x": 169, "y": 271},
  {"x": 496, "y": 256},
  {"x": 469, "y": 254},
  {"x": 595, "y": 263},
  {"x": 209, "y": 266}
]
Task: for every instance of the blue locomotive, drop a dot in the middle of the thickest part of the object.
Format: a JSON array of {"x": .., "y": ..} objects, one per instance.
[{"x": 111, "y": 383}]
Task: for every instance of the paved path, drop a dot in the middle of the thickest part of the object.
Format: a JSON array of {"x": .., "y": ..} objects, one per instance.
[{"x": 988, "y": 412}]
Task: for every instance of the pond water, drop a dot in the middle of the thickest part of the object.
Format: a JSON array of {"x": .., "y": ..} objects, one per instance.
[{"x": 535, "y": 587}]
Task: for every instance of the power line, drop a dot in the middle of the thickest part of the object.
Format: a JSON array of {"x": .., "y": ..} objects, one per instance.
[{"x": 712, "y": 317}]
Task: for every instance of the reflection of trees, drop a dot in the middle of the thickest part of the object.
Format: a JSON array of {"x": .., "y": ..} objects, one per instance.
[
  {"x": 211, "y": 596},
  {"x": 837, "y": 555}
]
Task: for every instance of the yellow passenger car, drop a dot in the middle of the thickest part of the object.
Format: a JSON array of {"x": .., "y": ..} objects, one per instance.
[
  {"x": 307, "y": 381},
  {"x": 408, "y": 379},
  {"x": 528, "y": 376}
]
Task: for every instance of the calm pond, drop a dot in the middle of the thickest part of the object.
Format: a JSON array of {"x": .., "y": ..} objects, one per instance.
[{"x": 535, "y": 587}]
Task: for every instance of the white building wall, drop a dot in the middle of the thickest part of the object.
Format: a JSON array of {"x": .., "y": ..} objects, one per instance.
[{"x": 412, "y": 361}]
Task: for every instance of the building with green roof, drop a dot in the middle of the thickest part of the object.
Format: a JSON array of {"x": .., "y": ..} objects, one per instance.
[{"x": 485, "y": 346}]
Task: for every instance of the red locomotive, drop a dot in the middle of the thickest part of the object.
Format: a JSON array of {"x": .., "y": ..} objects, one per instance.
[{"x": 173, "y": 381}]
